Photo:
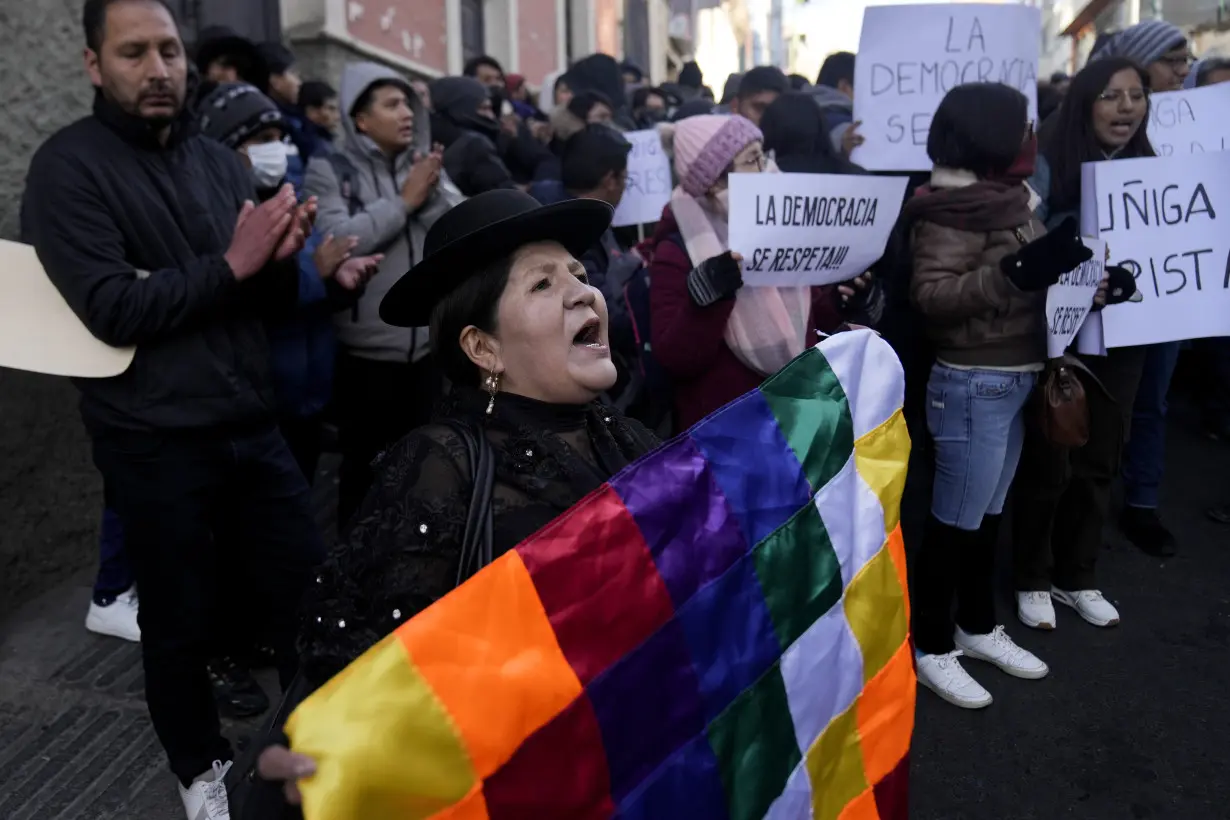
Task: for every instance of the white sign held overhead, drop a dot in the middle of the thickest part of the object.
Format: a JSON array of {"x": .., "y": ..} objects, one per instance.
[
  {"x": 1069, "y": 300},
  {"x": 649, "y": 180},
  {"x": 909, "y": 57},
  {"x": 1166, "y": 219},
  {"x": 810, "y": 229},
  {"x": 1192, "y": 121}
]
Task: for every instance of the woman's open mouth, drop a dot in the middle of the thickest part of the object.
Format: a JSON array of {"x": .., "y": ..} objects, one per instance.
[{"x": 590, "y": 336}]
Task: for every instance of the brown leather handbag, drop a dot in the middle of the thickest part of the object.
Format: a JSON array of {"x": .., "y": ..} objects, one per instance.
[{"x": 1062, "y": 407}]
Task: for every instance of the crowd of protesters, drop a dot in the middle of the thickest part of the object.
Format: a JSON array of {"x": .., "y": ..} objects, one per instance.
[{"x": 242, "y": 227}]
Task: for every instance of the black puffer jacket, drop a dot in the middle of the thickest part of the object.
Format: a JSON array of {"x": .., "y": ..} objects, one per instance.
[
  {"x": 471, "y": 156},
  {"x": 132, "y": 233}
]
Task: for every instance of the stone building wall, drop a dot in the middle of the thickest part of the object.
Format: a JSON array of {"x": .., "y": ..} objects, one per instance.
[{"x": 44, "y": 88}]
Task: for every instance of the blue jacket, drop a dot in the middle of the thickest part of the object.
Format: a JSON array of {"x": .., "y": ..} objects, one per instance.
[
  {"x": 308, "y": 139},
  {"x": 302, "y": 347}
]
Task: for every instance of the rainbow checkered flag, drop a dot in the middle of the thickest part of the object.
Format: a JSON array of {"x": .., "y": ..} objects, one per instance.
[{"x": 717, "y": 632}]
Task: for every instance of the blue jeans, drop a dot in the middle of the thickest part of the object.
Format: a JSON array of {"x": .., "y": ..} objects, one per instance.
[
  {"x": 1143, "y": 460},
  {"x": 114, "y": 572},
  {"x": 977, "y": 422}
]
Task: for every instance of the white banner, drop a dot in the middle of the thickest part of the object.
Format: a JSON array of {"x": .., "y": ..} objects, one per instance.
[
  {"x": 909, "y": 57},
  {"x": 1192, "y": 121},
  {"x": 1069, "y": 300},
  {"x": 649, "y": 180},
  {"x": 811, "y": 229},
  {"x": 1160, "y": 219}
]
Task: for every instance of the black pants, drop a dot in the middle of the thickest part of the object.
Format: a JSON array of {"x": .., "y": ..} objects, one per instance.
[
  {"x": 958, "y": 566},
  {"x": 377, "y": 403},
  {"x": 207, "y": 513},
  {"x": 1061, "y": 497},
  {"x": 305, "y": 437}
]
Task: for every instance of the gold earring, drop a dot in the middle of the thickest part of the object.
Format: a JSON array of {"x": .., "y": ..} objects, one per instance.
[{"x": 492, "y": 385}]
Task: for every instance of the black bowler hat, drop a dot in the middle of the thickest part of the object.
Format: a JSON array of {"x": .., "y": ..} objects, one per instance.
[{"x": 480, "y": 231}]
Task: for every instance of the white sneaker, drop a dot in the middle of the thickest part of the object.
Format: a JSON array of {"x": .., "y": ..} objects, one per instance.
[
  {"x": 1034, "y": 609},
  {"x": 1089, "y": 604},
  {"x": 944, "y": 675},
  {"x": 999, "y": 649},
  {"x": 206, "y": 798},
  {"x": 118, "y": 619}
]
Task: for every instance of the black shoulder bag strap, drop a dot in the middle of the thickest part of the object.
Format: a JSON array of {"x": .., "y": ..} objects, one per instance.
[
  {"x": 254, "y": 799},
  {"x": 476, "y": 547}
]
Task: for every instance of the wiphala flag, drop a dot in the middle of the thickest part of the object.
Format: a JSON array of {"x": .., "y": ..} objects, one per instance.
[{"x": 720, "y": 631}]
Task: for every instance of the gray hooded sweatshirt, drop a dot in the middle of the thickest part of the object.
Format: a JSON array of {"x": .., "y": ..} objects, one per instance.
[{"x": 383, "y": 225}]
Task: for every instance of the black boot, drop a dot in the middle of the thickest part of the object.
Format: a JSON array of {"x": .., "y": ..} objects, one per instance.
[
  {"x": 235, "y": 690},
  {"x": 1144, "y": 528}
]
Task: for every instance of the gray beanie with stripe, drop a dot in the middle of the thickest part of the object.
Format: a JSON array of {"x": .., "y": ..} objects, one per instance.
[{"x": 1145, "y": 43}]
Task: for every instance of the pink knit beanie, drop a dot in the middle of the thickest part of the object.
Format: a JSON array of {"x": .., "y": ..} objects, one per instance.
[{"x": 706, "y": 144}]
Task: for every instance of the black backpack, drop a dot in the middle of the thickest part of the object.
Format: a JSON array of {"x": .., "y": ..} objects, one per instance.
[
  {"x": 643, "y": 390},
  {"x": 347, "y": 176}
]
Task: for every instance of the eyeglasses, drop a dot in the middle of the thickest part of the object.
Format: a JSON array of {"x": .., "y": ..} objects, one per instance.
[
  {"x": 1132, "y": 95},
  {"x": 759, "y": 162},
  {"x": 1180, "y": 61}
]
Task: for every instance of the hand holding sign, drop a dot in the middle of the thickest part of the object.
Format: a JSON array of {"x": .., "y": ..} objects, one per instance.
[
  {"x": 1070, "y": 299},
  {"x": 715, "y": 279}
]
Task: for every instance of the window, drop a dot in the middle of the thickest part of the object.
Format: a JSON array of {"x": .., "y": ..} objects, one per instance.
[
  {"x": 473, "y": 34},
  {"x": 636, "y": 34}
]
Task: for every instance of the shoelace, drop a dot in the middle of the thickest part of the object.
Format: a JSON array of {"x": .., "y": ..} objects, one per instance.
[
  {"x": 1091, "y": 595},
  {"x": 947, "y": 662},
  {"x": 217, "y": 807},
  {"x": 1037, "y": 597},
  {"x": 1000, "y": 638}
]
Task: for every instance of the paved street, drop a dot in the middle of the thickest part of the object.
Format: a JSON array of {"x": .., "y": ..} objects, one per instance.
[{"x": 1129, "y": 726}]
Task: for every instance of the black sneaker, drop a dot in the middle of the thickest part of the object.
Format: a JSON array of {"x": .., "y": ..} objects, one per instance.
[
  {"x": 1144, "y": 529},
  {"x": 235, "y": 690}
]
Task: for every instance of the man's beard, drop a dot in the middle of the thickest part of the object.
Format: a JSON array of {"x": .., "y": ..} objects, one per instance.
[{"x": 133, "y": 108}]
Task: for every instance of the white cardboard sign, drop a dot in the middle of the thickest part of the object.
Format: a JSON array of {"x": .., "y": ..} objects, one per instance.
[
  {"x": 909, "y": 57},
  {"x": 1069, "y": 300},
  {"x": 811, "y": 229},
  {"x": 1192, "y": 121},
  {"x": 649, "y": 180},
  {"x": 39, "y": 331},
  {"x": 1166, "y": 219}
]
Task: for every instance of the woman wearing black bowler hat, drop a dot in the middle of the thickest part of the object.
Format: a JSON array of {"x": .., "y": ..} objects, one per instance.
[{"x": 522, "y": 337}]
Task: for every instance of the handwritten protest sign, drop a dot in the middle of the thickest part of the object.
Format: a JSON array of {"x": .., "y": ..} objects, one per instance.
[
  {"x": 1069, "y": 300},
  {"x": 810, "y": 229},
  {"x": 1192, "y": 121},
  {"x": 909, "y": 57},
  {"x": 649, "y": 180},
  {"x": 1164, "y": 219}
]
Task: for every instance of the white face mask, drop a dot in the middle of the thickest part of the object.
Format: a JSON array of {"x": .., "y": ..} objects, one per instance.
[{"x": 268, "y": 163}]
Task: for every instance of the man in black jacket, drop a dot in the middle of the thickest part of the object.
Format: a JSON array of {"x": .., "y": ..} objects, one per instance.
[{"x": 150, "y": 234}]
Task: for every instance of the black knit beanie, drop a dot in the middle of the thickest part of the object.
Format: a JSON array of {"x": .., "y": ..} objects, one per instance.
[{"x": 233, "y": 112}]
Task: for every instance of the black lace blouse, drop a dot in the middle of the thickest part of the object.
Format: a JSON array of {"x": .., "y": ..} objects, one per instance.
[{"x": 404, "y": 549}]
